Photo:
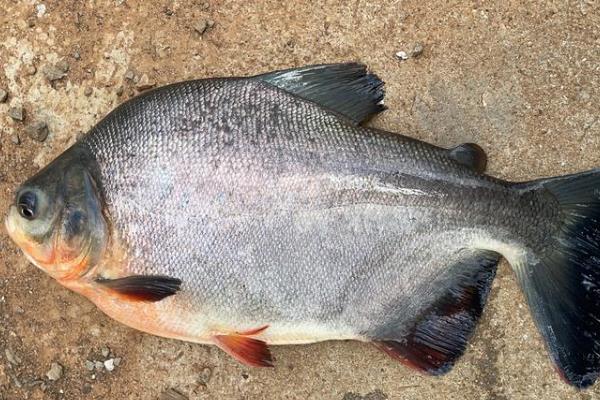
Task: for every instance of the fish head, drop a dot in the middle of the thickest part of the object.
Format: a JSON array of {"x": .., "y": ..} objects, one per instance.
[{"x": 57, "y": 220}]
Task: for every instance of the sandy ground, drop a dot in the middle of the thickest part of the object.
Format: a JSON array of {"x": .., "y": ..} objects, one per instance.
[{"x": 522, "y": 81}]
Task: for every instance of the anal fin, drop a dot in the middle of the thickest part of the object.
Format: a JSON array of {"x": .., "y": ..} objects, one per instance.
[{"x": 440, "y": 334}]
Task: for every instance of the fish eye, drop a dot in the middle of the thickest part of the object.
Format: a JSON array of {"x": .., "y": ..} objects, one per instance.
[{"x": 27, "y": 205}]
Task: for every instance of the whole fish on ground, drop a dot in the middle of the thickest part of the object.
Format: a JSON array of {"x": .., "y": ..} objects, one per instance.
[{"x": 246, "y": 212}]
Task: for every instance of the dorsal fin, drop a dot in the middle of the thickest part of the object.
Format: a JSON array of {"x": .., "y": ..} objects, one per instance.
[
  {"x": 470, "y": 155},
  {"x": 347, "y": 89},
  {"x": 440, "y": 335}
]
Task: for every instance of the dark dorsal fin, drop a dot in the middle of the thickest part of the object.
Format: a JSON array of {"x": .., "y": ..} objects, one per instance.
[
  {"x": 440, "y": 335},
  {"x": 347, "y": 89},
  {"x": 470, "y": 155},
  {"x": 148, "y": 288}
]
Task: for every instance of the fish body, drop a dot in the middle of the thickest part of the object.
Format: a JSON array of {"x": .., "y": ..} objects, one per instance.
[{"x": 250, "y": 211}]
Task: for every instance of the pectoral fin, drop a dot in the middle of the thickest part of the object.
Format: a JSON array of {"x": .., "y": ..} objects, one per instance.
[
  {"x": 245, "y": 349},
  {"x": 149, "y": 288}
]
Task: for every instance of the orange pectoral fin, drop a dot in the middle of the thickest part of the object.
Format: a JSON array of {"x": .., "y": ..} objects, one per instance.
[{"x": 248, "y": 351}]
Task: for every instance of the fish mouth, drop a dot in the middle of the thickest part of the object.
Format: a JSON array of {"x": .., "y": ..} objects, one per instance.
[{"x": 9, "y": 223}]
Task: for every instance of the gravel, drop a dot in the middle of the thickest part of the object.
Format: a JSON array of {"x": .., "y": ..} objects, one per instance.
[
  {"x": 12, "y": 357},
  {"x": 88, "y": 91},
  {"x": 30, "y": 70},
  {"x": 17, "y": 113},
  {"x": 129, "y": 75},
  {"x": 401, "y": 55},
  {"x": 203, "y": 25},
  {"x": 57, "y": 71},
  {"x": 89, "y": 365},
  {"x": 172, "y": 394},
  {"x": 145, "y": 83},
  {"x": 63, "y": 66},
  {"x": 55, "y": 372},
  {"x": 109, "y": 364},
  {"x": 417, "y": 50},
  {"x": 37, "y": 131},
  {"x": 105, "y": 352},
  {"x": 3, "y": 95}
]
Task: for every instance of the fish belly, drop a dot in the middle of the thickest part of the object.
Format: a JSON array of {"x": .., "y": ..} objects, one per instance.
[{"x": 311, "y": 275}]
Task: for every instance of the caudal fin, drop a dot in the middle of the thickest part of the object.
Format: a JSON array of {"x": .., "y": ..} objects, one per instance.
[{"x": 562, "y": 281}]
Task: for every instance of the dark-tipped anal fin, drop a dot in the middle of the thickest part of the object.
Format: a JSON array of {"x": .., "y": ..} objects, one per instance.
[
  {"x": 146, "y": 288},
  {"x": 247, "y": 350},
  {"x": 440, "y": 334},
  {"x": 470, "y": 155}
]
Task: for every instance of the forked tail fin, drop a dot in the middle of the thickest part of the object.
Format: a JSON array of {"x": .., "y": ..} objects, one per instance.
[{"x": 562, "y": 281}]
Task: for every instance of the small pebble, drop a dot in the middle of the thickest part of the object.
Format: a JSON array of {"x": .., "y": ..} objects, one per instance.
[
  {"x": 119, "y": 91},
  {"x": 417, "y": 50},
  {"x": 86, "y": 389},
  {"x": 401, "y": 55},
  {"x": 63, "y": 65},
  {"x": 31, "y": 22},
  {"x": 16, "y": 113},
  {"x": 37, "y": 131},
  {"x": 99, "y": 365},
  {"x": 12, "y": 357},
  {"x": 204, "y": 376},
  {"x": 54, "y": 73},
  {"x": 41, "y": 10},
  {"x": 117, "y": 361},
  {"x": 76, "y": 55},
  {"x": 144, "y": 83},
  {"x": 56, "y": 372},
  {"x": 172, "y": 394},
  {"x": 105, "y": 352},
  {"x": 14, "y": 138},
  {"x": 30, "y": 70},
  {"x": 129, "y": 75},
  {"x": 88, "y": 91},
  {"x": 202, "y": 26},
  {"x": 89, "y": 365},
  {"x": 3, "y": 95},
  {"x": 109, "y": 364}
]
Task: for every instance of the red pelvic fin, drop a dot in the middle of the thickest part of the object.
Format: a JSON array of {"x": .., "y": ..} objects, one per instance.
[{"x": 248, "y": 351}]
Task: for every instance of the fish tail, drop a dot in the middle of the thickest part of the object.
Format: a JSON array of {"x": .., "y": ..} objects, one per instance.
[{"x": 561, "y": 281}]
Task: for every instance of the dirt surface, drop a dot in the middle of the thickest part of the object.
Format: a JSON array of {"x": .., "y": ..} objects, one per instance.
[{"x": 522, "y": 81}]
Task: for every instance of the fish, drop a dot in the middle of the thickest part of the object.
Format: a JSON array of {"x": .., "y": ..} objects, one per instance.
[{"x": 246, "y": 212}]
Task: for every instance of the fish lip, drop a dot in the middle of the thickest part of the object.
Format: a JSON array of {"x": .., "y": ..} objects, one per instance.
[{"x": 8, "y": 222}]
